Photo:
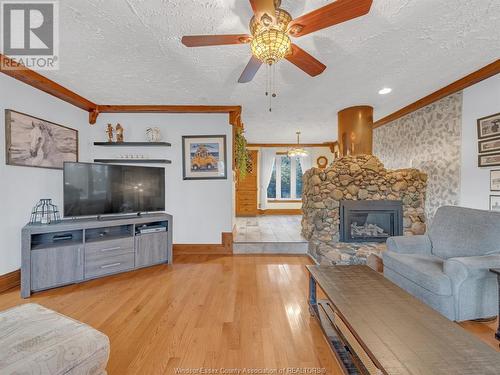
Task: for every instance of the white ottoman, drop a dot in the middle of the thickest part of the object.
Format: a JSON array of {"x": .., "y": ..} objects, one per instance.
[{"x": 36, "y": 340}]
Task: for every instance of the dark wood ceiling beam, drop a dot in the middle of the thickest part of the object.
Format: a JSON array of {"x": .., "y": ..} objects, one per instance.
[
  {"x": 93, "y": 116},
  {"x": 234, "y": 111},
  {"x": 44, "y": 84},
  {"x": 277, "y": 145},
  {"x": 167, "y": 108},
  {"x": 36, "y": 80},
  {"x": 479, "y": 75}
]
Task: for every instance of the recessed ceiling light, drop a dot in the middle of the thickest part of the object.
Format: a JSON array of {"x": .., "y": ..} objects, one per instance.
[{"x": 385, "y": 90}]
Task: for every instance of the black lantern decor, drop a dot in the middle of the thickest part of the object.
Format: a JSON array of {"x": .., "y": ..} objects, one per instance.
[{"x": 45, "y": 212}]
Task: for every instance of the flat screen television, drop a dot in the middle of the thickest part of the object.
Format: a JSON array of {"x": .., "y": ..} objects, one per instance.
[{"x": 104, "y": 189}]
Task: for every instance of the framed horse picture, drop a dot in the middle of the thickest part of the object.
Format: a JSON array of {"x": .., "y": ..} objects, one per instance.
[{"x": 33, "y": 142}]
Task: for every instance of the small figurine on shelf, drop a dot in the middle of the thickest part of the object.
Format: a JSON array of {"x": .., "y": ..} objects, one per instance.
[
  {"x": 109, "y": 132},
  {"x": 119, "y": 133}
]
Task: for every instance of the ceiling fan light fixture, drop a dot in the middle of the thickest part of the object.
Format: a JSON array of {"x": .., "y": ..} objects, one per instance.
[
  {"x": 281, "y": 21},
  {"x": 270, "y": 31},
  {"x": 271, "y": 45}
]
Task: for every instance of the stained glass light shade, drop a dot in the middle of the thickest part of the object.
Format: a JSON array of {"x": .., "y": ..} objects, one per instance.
[{"x": 271, "y": 45}]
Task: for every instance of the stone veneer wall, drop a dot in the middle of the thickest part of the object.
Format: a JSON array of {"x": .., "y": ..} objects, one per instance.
[
  {"x": 361, "y": 177},
  {"x": 428, "y": 139}
]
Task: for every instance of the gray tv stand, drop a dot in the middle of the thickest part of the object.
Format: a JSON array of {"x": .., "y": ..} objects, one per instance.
[{"x": 77, "y": 250}]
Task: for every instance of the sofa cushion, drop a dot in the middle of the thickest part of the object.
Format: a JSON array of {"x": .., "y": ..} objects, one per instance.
[
  {"x": 423, "y": 270},
  {"x": 462, "y": 232}
]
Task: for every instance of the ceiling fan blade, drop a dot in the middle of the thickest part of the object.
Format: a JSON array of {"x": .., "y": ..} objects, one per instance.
[
  {"x": 261, "y": 7},
  {"x": 329, "y": 15},
  {"x": 250, "y": 70},
  {"x": 215, "y": 40},
  {"x": 305, "y": 61}
]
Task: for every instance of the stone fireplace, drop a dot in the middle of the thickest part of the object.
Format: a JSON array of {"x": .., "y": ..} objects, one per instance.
[
  {"x": 370, "y": 221},
  {"x": 358, "y": 183}
]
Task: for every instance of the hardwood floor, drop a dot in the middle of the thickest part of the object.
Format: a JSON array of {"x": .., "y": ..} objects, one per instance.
[
  {"x": 204, "y": 311},
  {"x": 484, "y": 331}
]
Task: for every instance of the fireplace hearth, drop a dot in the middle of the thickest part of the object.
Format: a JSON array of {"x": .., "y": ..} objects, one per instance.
[{"x": 370, "y": 221}]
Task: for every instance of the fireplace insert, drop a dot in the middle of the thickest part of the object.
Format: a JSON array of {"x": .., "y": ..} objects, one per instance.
[{"x": 370, "y": 221}]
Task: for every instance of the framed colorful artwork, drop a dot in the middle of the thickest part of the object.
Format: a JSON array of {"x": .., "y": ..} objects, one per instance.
[{"x": 204, "y": 157}]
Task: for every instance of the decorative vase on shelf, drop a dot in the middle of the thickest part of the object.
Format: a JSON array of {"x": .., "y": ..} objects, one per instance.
[
  {"x": 153, "y": 134},
  {"x": 45, "y": 212}
]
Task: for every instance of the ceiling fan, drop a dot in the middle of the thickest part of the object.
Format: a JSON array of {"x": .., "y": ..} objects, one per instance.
[{"x": 271, "y": 28}]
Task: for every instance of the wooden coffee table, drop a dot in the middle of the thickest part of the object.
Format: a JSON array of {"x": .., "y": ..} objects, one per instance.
[
  {"x": 375, "y": 327},
  {"x": 497, "y": 271}
]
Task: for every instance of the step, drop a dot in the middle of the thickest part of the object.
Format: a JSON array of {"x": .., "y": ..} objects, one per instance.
[{"x": 270, "y": 247}]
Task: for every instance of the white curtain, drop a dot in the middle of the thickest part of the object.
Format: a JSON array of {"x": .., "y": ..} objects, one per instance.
[
  {"x": 267, "y": 157},
  {"x": 306, "y": 162}
]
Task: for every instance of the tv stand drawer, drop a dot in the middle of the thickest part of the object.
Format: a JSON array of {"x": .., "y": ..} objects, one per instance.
[
  {"x": 98, "y": 266},
  {"x": 107, "y": 248}
]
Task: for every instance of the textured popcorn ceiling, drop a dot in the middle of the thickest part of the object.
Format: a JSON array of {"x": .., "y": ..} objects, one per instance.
[{"x": 129, "y": 52}]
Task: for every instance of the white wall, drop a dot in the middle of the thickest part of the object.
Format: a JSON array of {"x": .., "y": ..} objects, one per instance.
[
  {"x": 480, "y": 100},
  {"x": 316, "y": 152},
  {"x": 202, "y": 209},
  {"x": 22, "y": 187}
]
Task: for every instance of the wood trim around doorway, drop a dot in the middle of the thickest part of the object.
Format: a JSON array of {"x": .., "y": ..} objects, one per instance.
[{"x": 287, "y": 145}]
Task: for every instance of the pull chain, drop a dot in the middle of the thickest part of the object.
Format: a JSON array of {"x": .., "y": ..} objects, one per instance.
[
  {"x": 267, "y": 80},
  {"x": 271, "y": 84},
  {"x": 270, "y": 88},
  {"x": 274, "y": 81}
]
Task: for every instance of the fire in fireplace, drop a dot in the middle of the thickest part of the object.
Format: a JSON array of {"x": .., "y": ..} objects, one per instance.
[{"x": 370, "y": 221}]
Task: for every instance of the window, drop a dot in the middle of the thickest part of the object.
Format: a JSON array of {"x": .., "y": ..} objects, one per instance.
[{"x": 286, "y": 179}]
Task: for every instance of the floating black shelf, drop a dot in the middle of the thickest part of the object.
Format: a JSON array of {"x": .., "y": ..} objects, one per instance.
[
  {"x": 134, "y": 161},
  {"x": 133, "y": 144}
]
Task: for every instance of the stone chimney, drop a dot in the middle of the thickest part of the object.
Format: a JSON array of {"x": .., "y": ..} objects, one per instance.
[{"x": 355, "y": 130}]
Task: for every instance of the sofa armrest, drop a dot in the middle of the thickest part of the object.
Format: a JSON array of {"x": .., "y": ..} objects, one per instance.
[
  {"x": 462, "y": 268},
  {"x": 420, "y": 244}
]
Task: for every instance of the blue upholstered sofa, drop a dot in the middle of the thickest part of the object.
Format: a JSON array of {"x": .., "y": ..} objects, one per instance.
[{"x": 447, "y": 268}]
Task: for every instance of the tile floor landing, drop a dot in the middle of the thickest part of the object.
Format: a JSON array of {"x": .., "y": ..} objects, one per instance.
[{"x": 269, "y": 235}]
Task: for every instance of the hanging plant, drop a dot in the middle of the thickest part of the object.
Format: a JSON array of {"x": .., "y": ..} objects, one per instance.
[{"x": 243, "y": 160}]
